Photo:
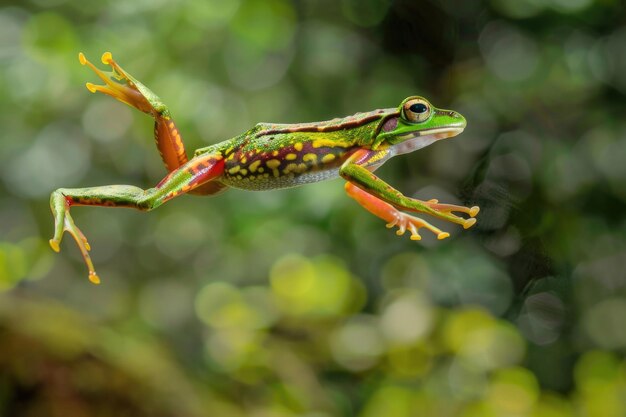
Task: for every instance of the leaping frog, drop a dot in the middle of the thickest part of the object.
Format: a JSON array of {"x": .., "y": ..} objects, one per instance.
[{"x": 271, "y": 156}]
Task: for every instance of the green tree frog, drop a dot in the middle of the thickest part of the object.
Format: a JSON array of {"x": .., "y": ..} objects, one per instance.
[{"x": 271, "y": 156}]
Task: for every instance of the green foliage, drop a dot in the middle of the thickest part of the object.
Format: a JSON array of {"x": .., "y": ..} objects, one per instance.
[{"x": 298, "y": 302}]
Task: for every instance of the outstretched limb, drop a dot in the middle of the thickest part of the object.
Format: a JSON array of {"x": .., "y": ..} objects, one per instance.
[
  {"x": 384, "y": 201},
  {"x": 391, "y": 215},
  {"x": 122, "y": 86},
  {"x": 197, "y": 173}
]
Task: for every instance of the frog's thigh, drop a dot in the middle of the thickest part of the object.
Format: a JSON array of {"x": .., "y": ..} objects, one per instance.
[
  {"x": 195, "y": 177},
  {"x": 198, "y": 172},
  {"x": 373, "y": 204}
]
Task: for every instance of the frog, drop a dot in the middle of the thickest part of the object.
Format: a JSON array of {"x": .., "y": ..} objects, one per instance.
[{"x": 272, "y": 156}]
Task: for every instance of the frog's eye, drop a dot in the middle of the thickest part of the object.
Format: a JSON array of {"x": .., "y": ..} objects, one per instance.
[{"x": 416, "y": 110}]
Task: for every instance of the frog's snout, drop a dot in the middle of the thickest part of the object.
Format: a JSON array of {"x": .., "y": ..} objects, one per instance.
[{"x": 459, "y": 120}]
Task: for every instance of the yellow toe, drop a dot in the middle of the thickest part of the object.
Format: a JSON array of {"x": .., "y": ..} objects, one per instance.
[
  {"x": 54, "y": 245},
  {"x": 94, "y": 278},
  {"x": 469, "y": 223},
  {"x": 107, "y": 57}
]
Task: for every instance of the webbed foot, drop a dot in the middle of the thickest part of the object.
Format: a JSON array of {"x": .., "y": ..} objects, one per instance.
[
  {"x": 122, "y": 86},
  {"x": 63, "y": 222},
  {"x": 445, "y": 211},
  {"x": 411, "y": 223}
]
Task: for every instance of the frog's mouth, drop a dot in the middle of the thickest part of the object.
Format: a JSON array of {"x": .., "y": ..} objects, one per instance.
[
  {"x": 418, "y": 140},
  {"x": 442, "y": 133}
]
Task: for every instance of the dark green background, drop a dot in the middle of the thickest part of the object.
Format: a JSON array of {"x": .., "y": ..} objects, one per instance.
[{"x": 299, "y": 302}]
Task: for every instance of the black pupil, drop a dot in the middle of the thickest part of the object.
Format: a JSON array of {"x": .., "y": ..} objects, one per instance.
[{"x": 418, "y": 108}]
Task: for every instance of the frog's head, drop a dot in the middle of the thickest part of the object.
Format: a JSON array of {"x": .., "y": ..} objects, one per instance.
[{"x": 417, "y": 124}]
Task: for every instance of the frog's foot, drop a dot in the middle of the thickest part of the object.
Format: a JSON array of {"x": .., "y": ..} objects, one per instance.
[
  {"x": 122, "y": 86},
  {"x": 406, "y": 222},
  {"x": 63, "y": 222},
  {"x": 391, "y": 214},
  {"x": 445, "y": 211}
]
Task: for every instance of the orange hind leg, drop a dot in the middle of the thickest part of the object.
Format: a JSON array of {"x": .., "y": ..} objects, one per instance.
[{"x": 124, "y": 87}]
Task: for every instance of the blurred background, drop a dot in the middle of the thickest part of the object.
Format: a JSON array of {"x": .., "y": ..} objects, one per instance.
[{"x": 298, "y": 302}]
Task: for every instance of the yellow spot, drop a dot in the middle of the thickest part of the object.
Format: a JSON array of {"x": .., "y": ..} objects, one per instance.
[
  {"x": 302, "y": 168},
  {"x": 328, "y": 158},
  {"x": 298, "y": 146},
  {"x": 291, "y": 156},
  {"x": 273, "y": 163},
  {"x": 261, "y": 169},
  {"x": 253, "y": 166},
  {"x": 239, "y": 177},
  {"x": 243, "y": 160},
  {"x": 244, "y": 172},
  {"x": 171, "y": 125},
  {"x": 275, "y": 153},
  {"x": 291, "y": 167},
  {"x": 309, "y": 157},
  {"x": 276, "y": 173},
  {"x": 251, "y": 177},
  {"x": 234, "y": 169},
  {"x": 230, "y": 157},
  {"x": 266, "y": 175},
  {"x": 325, "y": 142}
]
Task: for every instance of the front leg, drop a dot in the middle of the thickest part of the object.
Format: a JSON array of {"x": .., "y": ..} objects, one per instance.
[
  {"x": 392, "y": 215},
  {"x": 384, "y": 201}
]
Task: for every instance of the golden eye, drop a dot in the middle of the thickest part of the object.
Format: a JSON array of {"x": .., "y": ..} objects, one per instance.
[{"x": 416, "y": 110}]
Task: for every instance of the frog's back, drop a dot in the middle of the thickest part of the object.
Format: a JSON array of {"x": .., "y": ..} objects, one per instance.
[
  {"x": 339, "y": 123},
  {"x": 271, "y": 156}
]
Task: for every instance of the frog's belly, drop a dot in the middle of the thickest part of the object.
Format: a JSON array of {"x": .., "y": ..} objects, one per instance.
[{"x": 268, "y": 181}]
